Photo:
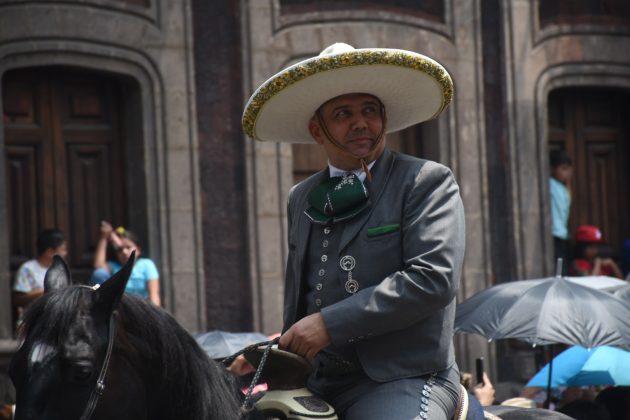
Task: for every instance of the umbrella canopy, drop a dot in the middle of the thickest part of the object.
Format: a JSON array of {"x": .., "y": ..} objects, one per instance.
[
  {"x": 604, "y": 283},
  {"x": 578, "y": 366},
  {"x": 221, "y": 344},
  {"x": 623, "y": 292},
  {"x": 545, "y": 311}
]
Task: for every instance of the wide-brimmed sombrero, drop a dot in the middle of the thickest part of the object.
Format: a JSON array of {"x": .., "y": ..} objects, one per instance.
[{"x": 414, "y": 88}]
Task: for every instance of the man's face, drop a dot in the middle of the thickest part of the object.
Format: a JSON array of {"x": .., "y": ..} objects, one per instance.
[
  {"x": 562, "y": 173},
  {"x": 354, "y": 121}
]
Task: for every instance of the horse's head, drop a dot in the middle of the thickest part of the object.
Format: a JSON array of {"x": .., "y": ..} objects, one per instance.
[{"x": 65, "y": 342}]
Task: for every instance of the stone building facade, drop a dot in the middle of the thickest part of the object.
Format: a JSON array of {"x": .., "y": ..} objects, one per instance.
[{"x": 210, "y": 204}]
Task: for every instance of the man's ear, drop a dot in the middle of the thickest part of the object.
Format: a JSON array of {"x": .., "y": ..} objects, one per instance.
[{"x": 316, "y": 130}]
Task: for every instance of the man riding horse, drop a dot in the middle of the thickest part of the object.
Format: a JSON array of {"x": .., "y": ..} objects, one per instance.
[{"x": 376, "y": 239}]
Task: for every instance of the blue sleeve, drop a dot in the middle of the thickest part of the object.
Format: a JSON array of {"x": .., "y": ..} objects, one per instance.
[{"x": 149, "y": 269}]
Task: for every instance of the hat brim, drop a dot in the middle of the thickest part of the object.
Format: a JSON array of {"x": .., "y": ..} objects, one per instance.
[{"x": 413, "y": 88}]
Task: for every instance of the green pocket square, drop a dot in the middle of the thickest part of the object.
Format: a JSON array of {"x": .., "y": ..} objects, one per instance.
[{"x": 382, "y": 230}]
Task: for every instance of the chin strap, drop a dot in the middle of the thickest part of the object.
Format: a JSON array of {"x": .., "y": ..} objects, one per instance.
[{"x": 363, "y": 161}]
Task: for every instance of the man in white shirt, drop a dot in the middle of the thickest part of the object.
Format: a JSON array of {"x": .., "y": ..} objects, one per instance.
[{"x": 29, "y": 280}]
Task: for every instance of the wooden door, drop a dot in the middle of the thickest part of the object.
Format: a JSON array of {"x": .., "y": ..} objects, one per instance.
[
  {"x": 64, "y": 159},
  {"x": 593, "y": 126}
]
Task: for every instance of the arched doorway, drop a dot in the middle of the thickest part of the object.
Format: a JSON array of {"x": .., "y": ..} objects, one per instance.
[
  {"x": 65, "y": 158},
  {"x": 593, "y": 126}
]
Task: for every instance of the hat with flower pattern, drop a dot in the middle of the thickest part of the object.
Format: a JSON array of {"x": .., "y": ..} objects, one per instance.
[{"x": 414, "y": 88}]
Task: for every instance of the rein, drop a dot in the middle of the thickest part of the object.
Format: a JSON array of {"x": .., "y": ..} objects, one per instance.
[
  {"x": 247, "y": 405},
  {"x": 100, "y": 382}
]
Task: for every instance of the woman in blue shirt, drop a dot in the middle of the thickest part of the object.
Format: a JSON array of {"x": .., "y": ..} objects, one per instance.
[{"x": 144, "y": 279}]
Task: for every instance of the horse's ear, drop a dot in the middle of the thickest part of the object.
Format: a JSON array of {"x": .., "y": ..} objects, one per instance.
[
  {"x": 111, "y": 291},
  {"x": 57, "y": 276}
]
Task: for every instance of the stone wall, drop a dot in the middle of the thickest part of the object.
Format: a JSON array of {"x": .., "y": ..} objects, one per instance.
[{"x": 151, "y": 44}]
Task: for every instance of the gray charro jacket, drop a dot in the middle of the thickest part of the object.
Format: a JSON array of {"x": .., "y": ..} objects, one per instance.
[{"x": 401, "y": 319}]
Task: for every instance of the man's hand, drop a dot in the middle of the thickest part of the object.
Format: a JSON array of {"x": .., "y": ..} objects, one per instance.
[
  {"x": 306, "y": 337},
  {"x": 484, "y": 392}
]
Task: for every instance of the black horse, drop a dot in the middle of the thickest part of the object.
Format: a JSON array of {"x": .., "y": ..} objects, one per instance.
[{"x": 98, "y": 354}]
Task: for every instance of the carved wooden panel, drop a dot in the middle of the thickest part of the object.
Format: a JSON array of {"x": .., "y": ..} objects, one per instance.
[
  {"x": 583, "y": 11},
  {"x": 22, "y": 196},
  {"x": 429, "y": 9},
  {"x": 144, "y": 3},
  {"x": 64, "y": 159}
]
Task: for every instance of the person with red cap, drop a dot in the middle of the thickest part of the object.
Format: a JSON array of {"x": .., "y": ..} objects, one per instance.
[{"x": 587, "y": 261}]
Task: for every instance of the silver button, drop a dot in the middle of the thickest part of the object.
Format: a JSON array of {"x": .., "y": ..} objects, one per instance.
[
  {"x": 325, "y": 243},
  {"x": 321, "y": 272},
  {"x": 425, "y": 393},
  {"x": 423, "y": 415},
  {"x": 318, "y": 302},
  {"x": 424, "y": 400},
  {"x": 319, "y": 286},
  {"x": 324, "y": 258},
  {"x": 347, "y": 263},
  {"x": 427, "y": 388},
  {"x": 326, "y": 231},
  {"x": 424, "y": 407}
]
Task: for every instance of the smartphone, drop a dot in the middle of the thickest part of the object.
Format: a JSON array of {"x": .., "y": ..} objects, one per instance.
[{"x": 479, "y": 369}]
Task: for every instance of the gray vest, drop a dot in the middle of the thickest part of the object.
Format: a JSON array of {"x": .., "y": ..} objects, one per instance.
[
  {"x": 322, "y": 268},
  {"x": 325, "y": 286}
]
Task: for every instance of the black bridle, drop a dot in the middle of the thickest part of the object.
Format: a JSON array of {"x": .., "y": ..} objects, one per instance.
[{"x": 100, "y": 382}]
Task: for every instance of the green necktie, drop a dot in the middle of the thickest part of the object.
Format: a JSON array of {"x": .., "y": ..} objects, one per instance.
[{"x": 337, "y": 199}]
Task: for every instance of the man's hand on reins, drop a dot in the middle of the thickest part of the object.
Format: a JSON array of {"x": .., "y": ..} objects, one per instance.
[{"x": 306, "y": 337}]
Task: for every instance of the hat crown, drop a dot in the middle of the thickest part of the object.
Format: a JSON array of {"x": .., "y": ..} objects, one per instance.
[
  {"x": 413, "y": 87},
  {"x": 588, "y": 233},
  {"x": 336, "y": 48}
]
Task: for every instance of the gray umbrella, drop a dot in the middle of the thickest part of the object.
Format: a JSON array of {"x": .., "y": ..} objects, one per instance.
[
  {"x": 546, "y": 311},
  {"x": 623, "y": 293}
]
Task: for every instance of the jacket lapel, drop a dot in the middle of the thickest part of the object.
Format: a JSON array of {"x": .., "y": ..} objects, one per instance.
[
  {"x": 381, "y": 171},
  {"x": 304, "y": 223}
]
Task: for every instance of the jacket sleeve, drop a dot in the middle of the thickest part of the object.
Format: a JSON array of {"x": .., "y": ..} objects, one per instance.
[
  {"x": 433, "y": 242},
  {"x": 289, "y": 293}
]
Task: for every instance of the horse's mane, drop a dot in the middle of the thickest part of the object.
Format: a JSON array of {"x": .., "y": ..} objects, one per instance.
[{"x": 146, "y": 335}]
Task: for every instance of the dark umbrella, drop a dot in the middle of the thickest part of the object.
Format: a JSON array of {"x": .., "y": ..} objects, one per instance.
[
  {"x": 547, "y": 311},
  {"x": 221, "y": 344}
]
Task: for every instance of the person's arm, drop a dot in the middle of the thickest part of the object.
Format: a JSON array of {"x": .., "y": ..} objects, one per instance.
[
  {"x": 24, "y": 298},
  {"x": 100, "y": 254},
  {"x": 608, "y": 262},
  {"x": 152, "y": 276},
  {"x": 484, "y": 392},
  {"x": 153, "y": 287}
]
